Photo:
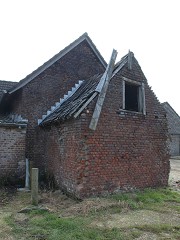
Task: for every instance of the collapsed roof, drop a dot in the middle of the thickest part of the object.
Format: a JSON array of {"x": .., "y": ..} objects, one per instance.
[{"x": 74, "y": 102}]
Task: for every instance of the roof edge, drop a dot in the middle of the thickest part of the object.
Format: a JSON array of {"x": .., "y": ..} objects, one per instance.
[
  {"x": 16, "y": 125},
  {"x": 172, "y": 109},
  {"x": 58, "y": 56}
]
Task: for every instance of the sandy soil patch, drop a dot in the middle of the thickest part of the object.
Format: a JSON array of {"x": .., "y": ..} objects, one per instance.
[
  {"x": 137, "y": 218},
  {"x": 175, "y": 169}
]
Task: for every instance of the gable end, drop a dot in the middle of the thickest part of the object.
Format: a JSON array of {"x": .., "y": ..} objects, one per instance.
[{"x": 58, "y": 56}]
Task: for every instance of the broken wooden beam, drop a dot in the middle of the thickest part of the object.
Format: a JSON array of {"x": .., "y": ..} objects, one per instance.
[
  {"x": 130, "y": 56},
  {"x": 102, "y": 88}
]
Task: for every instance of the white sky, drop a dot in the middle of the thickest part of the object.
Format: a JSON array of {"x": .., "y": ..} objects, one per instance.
[{"x": 32, "y": 31}]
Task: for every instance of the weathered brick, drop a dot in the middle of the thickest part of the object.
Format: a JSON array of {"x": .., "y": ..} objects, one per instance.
[
  {"x": 12, "y": 153},
  {"x": 126, "y": 151}
]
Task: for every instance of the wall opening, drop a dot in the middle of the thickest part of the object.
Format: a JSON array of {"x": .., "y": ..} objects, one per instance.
[{"x": 131, "y": 97}]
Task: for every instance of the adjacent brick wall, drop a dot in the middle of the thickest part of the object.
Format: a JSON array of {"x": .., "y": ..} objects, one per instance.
[
  {"x": 174, "y": 129},
  {"x": 174, "y": 145},
  {"x": 127, "y": 150},
  {"x": 12, "y": 154}
]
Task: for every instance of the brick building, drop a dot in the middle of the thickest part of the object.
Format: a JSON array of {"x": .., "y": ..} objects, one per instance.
[
  {"x": 12, "y": 149},
  {"x": 12, "y": 142},
  {"x": 174, "y": 129},
  {"x": 95, "y": 128}
]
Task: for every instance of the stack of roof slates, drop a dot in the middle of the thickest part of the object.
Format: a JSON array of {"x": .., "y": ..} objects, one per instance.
[{"x": 69, "y": 107}]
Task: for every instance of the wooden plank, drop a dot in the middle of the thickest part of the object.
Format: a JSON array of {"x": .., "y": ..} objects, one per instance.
[
  {"x": 101, "y": 82},
  {"x": 140, "y": 100},
  {"x": 130, "y": 55},
  {"x": 144, "y": 99},
  {"x": 123, "y": 95},
  {"x": 131, "y": 81},
  {"x": 85, "y": 105},
  {"x": 102, "y": 94}
]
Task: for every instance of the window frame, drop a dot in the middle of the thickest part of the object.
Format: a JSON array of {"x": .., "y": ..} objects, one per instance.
[{"x": 141, "y": 95}]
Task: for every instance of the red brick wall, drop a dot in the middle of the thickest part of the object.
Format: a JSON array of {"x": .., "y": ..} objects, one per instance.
[
  {"x": 41, "y": 93},
  {"x": 60, "y": 153},
  {"x": 12, "y": 154},
  {"x": 126, "y": 151}
]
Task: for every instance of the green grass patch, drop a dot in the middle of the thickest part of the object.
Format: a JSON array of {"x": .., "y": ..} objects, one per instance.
[
  {"x": 41, "y": 224},
  {"x": 147, "y": 197},
  {"x": 49, "y": 226},
  {"x": 158, "y": 196}
]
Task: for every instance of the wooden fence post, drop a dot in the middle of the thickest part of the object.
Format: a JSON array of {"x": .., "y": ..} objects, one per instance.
[{"x": 34, "y": 186}]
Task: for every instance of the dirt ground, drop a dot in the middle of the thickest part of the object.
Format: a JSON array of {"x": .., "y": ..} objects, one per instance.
[
  {"x": 175, "y": 168},
  {"x": 174, "y": 176}
]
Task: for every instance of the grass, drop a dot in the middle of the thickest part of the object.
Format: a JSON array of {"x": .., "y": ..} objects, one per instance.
[
  {"x": 40, "y": 224},
  {"x": 148, "y": 197},
  {"x": 50, "y": 226}
]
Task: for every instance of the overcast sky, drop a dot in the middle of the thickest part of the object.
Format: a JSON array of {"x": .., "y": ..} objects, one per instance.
[{"x": 32, "y": 31}]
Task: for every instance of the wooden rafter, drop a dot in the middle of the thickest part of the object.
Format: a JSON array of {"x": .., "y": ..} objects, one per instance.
[{"x": 102, "y": 88}]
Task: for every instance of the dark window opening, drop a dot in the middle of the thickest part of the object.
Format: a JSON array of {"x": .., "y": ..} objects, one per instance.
[{"x": 131, "y": 97}]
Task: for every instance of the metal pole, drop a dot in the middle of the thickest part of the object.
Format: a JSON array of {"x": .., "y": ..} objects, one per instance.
[{"x": 27, "y": 174}]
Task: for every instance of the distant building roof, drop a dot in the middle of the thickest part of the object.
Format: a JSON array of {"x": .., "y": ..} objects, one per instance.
[
  {"x": 12, "y": 120},
  {"x": 5, "y": 86}
]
